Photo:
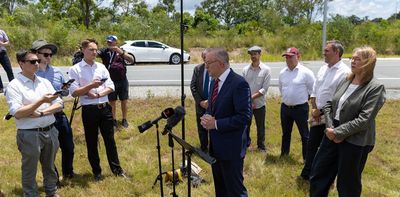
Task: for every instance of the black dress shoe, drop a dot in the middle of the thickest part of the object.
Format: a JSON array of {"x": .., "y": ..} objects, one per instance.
[
  {"x": 70, "y": 176},
  {"x": 98, "y": 177}
]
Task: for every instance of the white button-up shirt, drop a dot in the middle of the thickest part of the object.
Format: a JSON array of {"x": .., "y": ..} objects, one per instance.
[
  {"x": 21, "y": 92},
  {"x": 84, "y": 74},
  {"x": 296, "y": 85},
  {"x": 258, "y": 79},
  {"x": 327, "y": 81}
]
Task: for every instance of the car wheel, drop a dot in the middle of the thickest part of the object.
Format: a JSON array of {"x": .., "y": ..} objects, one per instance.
[
  {"x": 175, "y": 59},
  {"x": 128, "y": 62}
]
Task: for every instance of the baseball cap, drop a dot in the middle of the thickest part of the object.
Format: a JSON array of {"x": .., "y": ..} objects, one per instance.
[
  {"x": 291, "y": 51},
  {"x": 111, "y": 38},
  {"x": 39, "y": 44},
  {"x": 254, "y": 49}
]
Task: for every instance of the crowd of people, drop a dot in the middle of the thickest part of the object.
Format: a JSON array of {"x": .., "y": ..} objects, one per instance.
[{"x": 336, "y": 137}]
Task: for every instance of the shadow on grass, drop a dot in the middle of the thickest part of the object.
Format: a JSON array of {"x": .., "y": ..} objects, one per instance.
[
  {"x": 280, "y": 160},
  {"x": 81, "y": 181}
]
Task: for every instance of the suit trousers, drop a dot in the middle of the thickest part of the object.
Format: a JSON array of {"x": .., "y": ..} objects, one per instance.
[
  {"x": 345, "y": 160},
  {"x": 314, "y": 140},
  {"x": 203, "y": 133},
  {"x": 5, "y": 62},
  {"x": 95, "y": 118},
  {"x": 259, "y": 116},
  {"x": 289, "y": 115},
  {"x": 65, "y": 138},
  {"x": 38, "y": 146},
  {"x": 228, "y": 178}
]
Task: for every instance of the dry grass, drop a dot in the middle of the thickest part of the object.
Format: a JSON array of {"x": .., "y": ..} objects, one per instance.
[{"x": 265, "y": 174}]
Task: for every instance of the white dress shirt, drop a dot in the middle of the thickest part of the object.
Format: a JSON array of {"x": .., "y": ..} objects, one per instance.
[
  {"x": 84, "y": 74},
  {"x": 296, "y": 85},
  {"x": 343, "y": 98},
  {"x": 258, "y": 79},
  {"x": 326, "y": 82},
  {"x": 21, "y": 92}
]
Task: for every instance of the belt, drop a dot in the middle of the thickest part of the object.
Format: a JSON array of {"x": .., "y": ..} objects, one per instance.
[
  {"x": 43, "y": 129},
  {"x": 294, "y": 106},
  {"x": 61, "y": 113},
  {"x": 98, "y": 106}
]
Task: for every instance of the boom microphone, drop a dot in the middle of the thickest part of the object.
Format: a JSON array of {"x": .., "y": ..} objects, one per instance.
[
  {"x": 164, "y": 114},
  {"x": 174, "y": 119}
]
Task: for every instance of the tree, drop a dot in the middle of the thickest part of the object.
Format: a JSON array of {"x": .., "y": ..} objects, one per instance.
[{"x": 11, "y": 5}]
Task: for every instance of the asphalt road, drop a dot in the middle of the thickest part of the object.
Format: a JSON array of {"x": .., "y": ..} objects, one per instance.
[{"x": 387, "y": 71}]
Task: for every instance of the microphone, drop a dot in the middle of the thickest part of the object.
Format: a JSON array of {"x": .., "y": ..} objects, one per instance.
[
  {"x": 174, "y": 119},
  {"x": 164, "y": 114}
]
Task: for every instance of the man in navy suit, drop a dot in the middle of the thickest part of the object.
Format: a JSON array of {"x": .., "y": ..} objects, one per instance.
[{"x": 228, "y": 112}]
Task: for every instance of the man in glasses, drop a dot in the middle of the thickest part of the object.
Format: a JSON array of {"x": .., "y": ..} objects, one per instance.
[
  {"x": 45, "y": 52},
  {"x": 32, "y": 102},
  {"x": 4, "y": 60},
  {"x": 92, "y": 84},
  {"x": 114, "y": 58}
]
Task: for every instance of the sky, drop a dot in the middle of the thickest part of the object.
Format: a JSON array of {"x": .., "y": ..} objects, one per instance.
[{"x": 361, "y": 8}]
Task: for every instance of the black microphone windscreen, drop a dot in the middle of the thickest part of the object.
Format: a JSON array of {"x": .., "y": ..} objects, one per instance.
[
  {"x": 167, "y": 113},
  {"x": 174, "y": 119},
  {"x": 143, "y": 127}
]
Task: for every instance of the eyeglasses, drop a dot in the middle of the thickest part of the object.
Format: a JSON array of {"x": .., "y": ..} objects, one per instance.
[
  {"x": 46, "y": 54},
  {"x": 208, "y": 63},
  {"x": 33, "y": 61}
]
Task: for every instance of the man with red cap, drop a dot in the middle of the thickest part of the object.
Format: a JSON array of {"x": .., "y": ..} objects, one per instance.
[{"x": 295, "y": 84}]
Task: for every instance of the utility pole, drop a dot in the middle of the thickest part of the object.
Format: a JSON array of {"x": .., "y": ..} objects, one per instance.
[{"x": 324, "y": 25}]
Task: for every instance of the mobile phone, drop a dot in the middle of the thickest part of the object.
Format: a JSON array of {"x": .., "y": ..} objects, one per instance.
[
  {"x": 58, "y": 92},
  {"x": 69, "y": 82},
  {"x": 104, "y": 79},
  {"x": 8, "y": 116}
]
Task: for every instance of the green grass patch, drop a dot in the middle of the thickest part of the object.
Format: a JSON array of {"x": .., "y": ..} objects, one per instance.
[{"x": 265, "y": 174}]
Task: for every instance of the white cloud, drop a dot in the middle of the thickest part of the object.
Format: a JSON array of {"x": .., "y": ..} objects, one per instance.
[{"x": 362, "y": 8}]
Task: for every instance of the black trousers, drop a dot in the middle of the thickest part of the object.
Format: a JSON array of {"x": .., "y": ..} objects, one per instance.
[
  {"x": 259, "y": 116},
  {"x": 65, "y": 138},
  {"x": 5, "y": 62},
  {"x": 289, "y": 115},
  {"x": 228, "y": 178},
  {"x": 314, "y": 140},
  {"x": 344, "y": 160},
  {"x": 95, "y": 118},
  {"x": 203, "y": 133}
]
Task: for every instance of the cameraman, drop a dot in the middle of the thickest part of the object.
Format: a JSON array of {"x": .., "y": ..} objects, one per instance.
[{"x": 114, "y": 58}]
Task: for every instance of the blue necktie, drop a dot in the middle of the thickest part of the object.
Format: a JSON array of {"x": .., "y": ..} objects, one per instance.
[{"x": 205, "y": 85}]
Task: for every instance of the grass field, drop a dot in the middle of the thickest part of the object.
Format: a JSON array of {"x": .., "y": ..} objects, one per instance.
[{"x": 266, "y": 174}]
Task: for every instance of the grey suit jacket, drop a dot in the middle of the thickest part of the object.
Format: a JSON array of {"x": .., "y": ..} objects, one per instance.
[{"x": 357, "y": 116}]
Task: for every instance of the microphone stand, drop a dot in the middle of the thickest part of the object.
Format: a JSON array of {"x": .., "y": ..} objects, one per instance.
[
  {"x": 159, "y": 177},
  {"x": 191, "y": 150},
  {"x": 171, "y": 144}
]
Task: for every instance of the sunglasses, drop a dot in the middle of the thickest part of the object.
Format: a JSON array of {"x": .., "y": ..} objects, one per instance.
[
  {"x": 47, "y": 54},
  {"x": 32, "y": 61}
]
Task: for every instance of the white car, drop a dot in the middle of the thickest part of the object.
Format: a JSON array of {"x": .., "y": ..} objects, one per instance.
[{"x": 153, "y": 51}]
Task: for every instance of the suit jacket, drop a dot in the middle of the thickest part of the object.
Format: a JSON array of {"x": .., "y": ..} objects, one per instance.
[
  {"x": 232, "y": 111},
  {"x": 357, "y": 116},
  {"x": 196, "y": 87}
]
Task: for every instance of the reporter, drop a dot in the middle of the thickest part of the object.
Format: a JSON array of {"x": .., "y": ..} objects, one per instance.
[{"x": 350, "y": 128}]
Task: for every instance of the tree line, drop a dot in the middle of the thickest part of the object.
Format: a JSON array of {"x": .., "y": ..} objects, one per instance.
[{"x": 233, "y": 24}]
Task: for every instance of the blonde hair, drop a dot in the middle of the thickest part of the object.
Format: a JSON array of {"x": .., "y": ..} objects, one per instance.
[{"x": 368, "y": 60}]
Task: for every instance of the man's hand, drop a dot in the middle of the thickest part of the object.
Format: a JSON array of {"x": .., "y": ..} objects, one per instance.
[
  {"x": 207, "y": 121},
  {"x": 204, "y": 104},
  {"x": 316, "y": 114},
  {"x": 96, "y": 83},
  {"x": 330, "y": 134},
  {"x": 116, "y": 49},
  {"x": 48, "y": 98}
]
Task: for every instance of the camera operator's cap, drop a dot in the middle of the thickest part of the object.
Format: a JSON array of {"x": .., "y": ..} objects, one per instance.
[
  {"x": 254, "y": 49},
  {"x": 39, "y": 44},
  {"x": 111, "y": 38},
  {"x": 291, "y": 52}
]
